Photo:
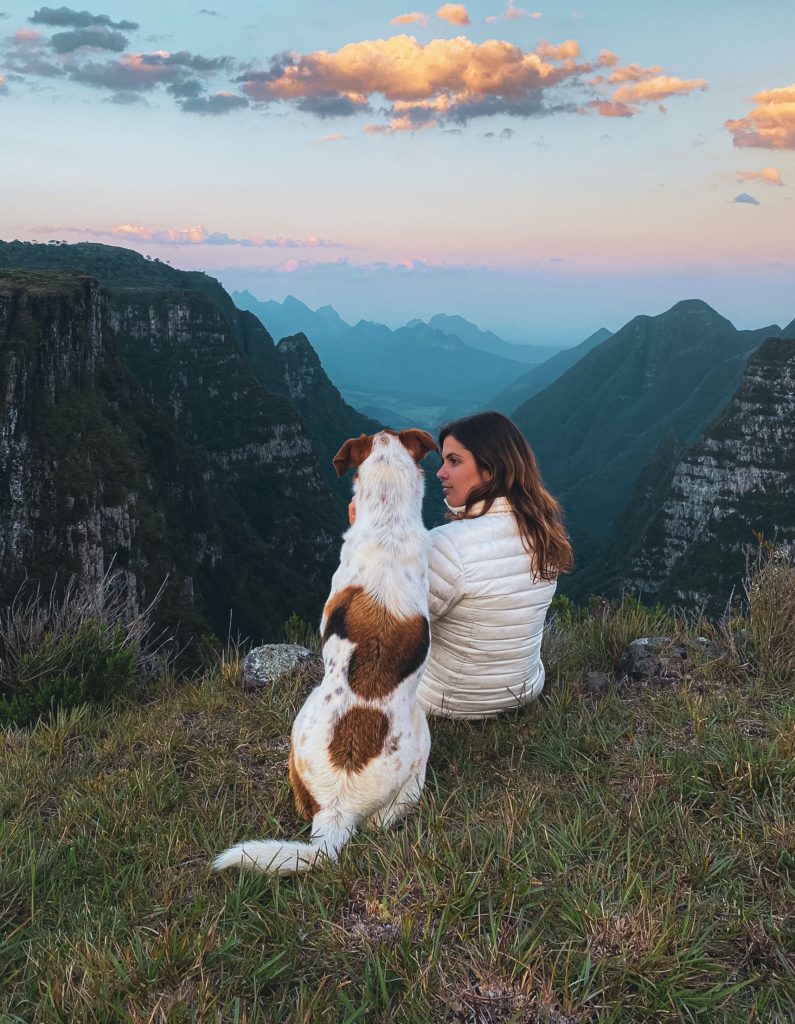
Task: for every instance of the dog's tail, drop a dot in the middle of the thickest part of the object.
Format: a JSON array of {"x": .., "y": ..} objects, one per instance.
[{"x": 330, "y": 831}]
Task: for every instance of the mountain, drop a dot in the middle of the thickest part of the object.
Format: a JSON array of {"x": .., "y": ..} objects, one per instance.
[
  {"x": 487, "y": 341},
  {"x": 182, "y": 341},
  {"x": 414, "y": 376},
  {"x": 330, "y": 419},
  {"x": 416, "y": 362},
  {"x": 735, "y": 484},
  {"x": 540, "y": 377},
  {"x": 595, "y": 428},
  {"x": 285, "y": 319}
]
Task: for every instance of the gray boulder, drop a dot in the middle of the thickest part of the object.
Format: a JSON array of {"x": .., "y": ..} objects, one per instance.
[{"x": 264, "y": 665}]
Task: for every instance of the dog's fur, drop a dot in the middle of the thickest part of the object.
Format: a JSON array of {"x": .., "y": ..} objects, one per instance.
[{"x": 360, "y": 743}]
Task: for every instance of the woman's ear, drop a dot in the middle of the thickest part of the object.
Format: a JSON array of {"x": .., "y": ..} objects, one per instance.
[{"x": 418, "y": 443}]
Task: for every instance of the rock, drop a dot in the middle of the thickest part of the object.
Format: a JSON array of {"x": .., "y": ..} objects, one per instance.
[
  {"x": 596, "y": 684},
  {"x": 656, "y": 659},
  {"x": 662, "y": 659},
  {"x": 709, "y": 647},
  {"x": 266, "y": 664}
]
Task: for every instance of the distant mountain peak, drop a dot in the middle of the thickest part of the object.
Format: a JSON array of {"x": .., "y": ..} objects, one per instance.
[
  {"x": 291, "y": 302},
  {"x": 695, "y": 307}
]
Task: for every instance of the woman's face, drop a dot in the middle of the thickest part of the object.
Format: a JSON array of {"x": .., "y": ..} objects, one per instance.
[{"x": 459, "y": 473}]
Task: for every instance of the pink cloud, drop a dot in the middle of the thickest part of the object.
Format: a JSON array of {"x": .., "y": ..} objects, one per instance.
[
  {"x": 512, "y": 12},
  {"x": 632, "y": 73},
  {"x": 413, "y": 18},
  {"x": 444, "y": 81},
  {"x": 658, "y": 88},
  {"x": 768, "y": 175},
  {"x": 336, "y": 137},
  {"x": 770, "y": 125},
  {"x": 455, "y": 14},
  {"x": 568, "y": 50},
  {"x": 197, "y": 235},
  {"x": 609, "y": 108},
  {"x": 26, "y": 36},
  {"x": 607, "y": 59},
  {"x": 401, "y": 69}
]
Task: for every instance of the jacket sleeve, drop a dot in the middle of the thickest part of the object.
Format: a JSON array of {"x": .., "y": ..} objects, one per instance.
[{"x": 445, "y": 575}]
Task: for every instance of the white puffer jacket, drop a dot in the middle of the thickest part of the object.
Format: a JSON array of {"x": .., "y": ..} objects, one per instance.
[{"x": 487, "y": 618}]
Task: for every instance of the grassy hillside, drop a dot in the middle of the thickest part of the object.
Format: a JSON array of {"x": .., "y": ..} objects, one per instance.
[{"x": 621, "y": 859}]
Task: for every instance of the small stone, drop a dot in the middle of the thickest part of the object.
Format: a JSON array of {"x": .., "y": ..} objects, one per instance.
[
  {"x": 596, "y": 684},
  {"x": 708, "y": 647},
  {"x": 264, "y": 665}
]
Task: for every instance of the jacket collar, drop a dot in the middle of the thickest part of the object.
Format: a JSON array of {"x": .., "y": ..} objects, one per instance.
[{"x": 500, "y": 506}]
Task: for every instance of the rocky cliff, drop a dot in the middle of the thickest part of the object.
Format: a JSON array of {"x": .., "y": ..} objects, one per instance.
[
  {"x": 327, "y": 415},
  {"x": 271, "y": 525},
  {"x": 736, "y": 484}
]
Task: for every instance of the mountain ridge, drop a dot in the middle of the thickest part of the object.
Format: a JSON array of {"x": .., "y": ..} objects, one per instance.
[
  {"x": 546, "y": 373},
  {"x": 596, "y": 426}
]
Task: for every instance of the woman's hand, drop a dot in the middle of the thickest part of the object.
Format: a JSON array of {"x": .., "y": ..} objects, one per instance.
[{"x": 352, "y": 511}]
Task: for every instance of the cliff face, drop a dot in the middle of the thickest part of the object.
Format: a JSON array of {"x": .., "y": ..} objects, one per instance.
[
  {"x": 135, "y": 427},
  {"x": 330, "y": 419},
  {"x": 52, "y": 346},
  {"x": 252, "y": 441},
  {"x": 72, "y": 495},
  {"x": 735, "y": 483}
]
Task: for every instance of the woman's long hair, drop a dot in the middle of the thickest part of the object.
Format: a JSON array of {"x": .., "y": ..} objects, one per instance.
[{"x": 499, "y": 447}]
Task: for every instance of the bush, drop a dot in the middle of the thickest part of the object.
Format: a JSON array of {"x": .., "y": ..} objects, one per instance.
[
  {"x": 80, "y": 647},
  {"x": 296, "y": 631},
  {"x": 88, "y": 666}
]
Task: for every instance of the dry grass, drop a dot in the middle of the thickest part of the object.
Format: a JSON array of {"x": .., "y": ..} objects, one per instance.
[{"x": 770, "y": 596}]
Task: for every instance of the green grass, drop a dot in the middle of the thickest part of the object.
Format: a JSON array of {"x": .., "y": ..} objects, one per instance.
[{"x": 621, "y": 860}]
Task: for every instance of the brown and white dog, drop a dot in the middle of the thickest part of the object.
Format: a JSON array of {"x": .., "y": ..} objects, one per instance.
[{"x": 360, "y": 742}]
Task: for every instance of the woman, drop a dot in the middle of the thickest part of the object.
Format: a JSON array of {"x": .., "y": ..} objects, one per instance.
[{"x": 493, "y": 572}]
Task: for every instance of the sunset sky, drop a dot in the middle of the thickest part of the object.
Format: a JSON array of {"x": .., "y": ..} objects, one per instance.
[{"x": 543, "y": 171}]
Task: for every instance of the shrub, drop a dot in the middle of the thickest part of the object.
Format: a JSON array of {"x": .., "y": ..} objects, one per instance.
[
  {"x": 80, "y": 647},
  {"x": 296, "y": 631},
  {"x": 87, "y": 666}
]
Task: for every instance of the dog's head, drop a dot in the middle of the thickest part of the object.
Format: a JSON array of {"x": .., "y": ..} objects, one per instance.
[
  {"x": 387, "y": 464},
  {"x": 357, "y": 449}
]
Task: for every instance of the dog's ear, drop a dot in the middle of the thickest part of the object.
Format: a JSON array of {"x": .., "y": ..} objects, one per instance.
[
  {"x": 418, "y": 442},
  {"x": 353, "y": 453}
]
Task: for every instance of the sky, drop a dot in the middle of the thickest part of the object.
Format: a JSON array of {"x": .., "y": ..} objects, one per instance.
[{"x": 541, "y": 170}]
